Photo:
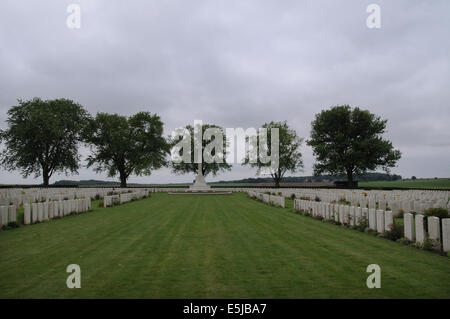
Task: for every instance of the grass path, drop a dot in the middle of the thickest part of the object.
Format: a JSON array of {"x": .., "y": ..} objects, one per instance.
[{"x": 209, "y": 247}]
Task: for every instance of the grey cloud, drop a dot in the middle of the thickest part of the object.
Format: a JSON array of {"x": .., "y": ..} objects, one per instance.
[{"x": 239, "y": 64}]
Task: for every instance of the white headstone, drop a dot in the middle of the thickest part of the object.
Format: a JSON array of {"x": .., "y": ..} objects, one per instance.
[
  {"x": 66, "y": 207},
  {"x": 408, "y": 223},
  {"x": 382, "y": 204},
  {"x": 434, "y": 229},
  {"x": 346, "y": 214},
  {"x": 26, "y": 214},
  {"x": 420, "y": 229},
  {"x": 380, "y": 221},
  {"x": 40, "y": 206},
  {"x": 372, "y": 219},
  {"x": 352, "y": 216},
  {"x": 45, "y": 207},
  {"x": 358, "y": 216},
  {"x": 446, "y": 234},
  {"x": 50, "y": 209},
  {"x": 55, "y": 209},
  {"x": 388, "y": 220},
  {"x": 34, "y": 212},
  {"x": 12, "y": 213},
  {"x": 365, "y": 214},
  {"x": 372, "y": 203},
  {"x": 4, "y": 215}
]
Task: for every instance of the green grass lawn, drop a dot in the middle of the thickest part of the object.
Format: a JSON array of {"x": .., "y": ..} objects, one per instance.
[
  {"x": 443, "y": 183},
  {"x": 210, "y": 247}
]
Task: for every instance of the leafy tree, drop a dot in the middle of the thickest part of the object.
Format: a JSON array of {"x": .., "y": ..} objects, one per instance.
[
  {"x": 126, "y": 146},
  {"x": 349, "y": 141},
  {"x": 290, "y": 158},
  {"x": 43, "y": 137},
  {"x": 413, "y": 178},
  {"x": 190, "y": 166}
]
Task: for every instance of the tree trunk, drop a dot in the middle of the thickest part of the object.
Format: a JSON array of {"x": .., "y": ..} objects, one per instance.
[
  {"x": 350, "y": 178},
  {"x": 123, "y": 180},
  {"x": 277, "y": 179},
  {"x": 45, "y": 176}
]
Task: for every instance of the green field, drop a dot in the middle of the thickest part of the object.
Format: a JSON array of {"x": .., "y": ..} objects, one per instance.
[
  {"x": 443, "y": 183},
  {"x": 210, "y": 247}
]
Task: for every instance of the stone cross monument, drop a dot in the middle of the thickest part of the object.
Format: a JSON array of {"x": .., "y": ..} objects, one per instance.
[{"x": 199, "y": 184}]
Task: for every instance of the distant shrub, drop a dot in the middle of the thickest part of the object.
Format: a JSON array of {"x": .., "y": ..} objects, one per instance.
[
  {"x": 10, "y": 225},
  {"x": 395, "y": 233},
  {"x": 370, "y": 231},
  {"x": 363, "y": 224},
  {"x": 429, "y": 244},
  {"x": 292, "y": 196},
  {"x": 437, "y": 212},
  {"x": 97, "y": 197},
  {"x": 404, "y": 241},
  {"x": 101, "y": 203},
  {"x": 317, "y": 199},
  {"x": 13, "y": 225}
]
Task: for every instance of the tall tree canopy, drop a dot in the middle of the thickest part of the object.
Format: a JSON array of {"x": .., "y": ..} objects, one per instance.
[
  {"x": 349, "y": 141},
  {"x": 189, "y": 165},
  {"x": 126, "y": 146},
  {"x": 42, "y": 137},
  {"x": 290, "y": 157}
]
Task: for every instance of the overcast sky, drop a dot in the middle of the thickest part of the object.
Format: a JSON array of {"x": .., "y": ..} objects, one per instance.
[{"x": 238, "y": 64}]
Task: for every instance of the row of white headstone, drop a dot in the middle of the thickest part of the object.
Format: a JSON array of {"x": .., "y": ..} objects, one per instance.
[
  {"x": 109, "y": 200},
  {"x": 267, "y": 198},
  {"x": 380, "y": 220},
  {"x": 38, "y": 212},
  {"x": 361, "y": 194},
  {"x": 408, "y": 201},
  {"x": 415, "y": 229},
  {"x": 127, "y": 197},
  {"x": 7, "y": 215},
  {"x": 19, "y": 196}
]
